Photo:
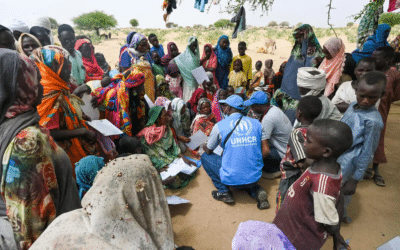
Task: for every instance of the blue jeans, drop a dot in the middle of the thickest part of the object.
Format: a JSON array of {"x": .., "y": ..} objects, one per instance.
[
  {"x": 212, "y": 164},
  {"x": 272, "y": 162}
]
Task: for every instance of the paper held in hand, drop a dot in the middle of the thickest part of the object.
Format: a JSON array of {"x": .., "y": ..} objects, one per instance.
[
  {"x": 176, "y": 167},
  {"x": 88, "y": 109},
  {"x": 196, "y": 140},
  {"x": 200, "y": 75},
  {"x": 149, "y": 102},
  {"x": 175, "y": 200},
  {"x": 105, "y": 127}
]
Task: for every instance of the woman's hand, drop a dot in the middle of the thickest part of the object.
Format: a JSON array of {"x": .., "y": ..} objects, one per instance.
[
  {"x": 169, "y": 180},
  {"x": 81, "y": 90},
  {"x": 184, "y": 139},
  {"x": 95, "y": 102},
  {"x": 190, "y": 163},
  {"x": 89, "y": 135}
]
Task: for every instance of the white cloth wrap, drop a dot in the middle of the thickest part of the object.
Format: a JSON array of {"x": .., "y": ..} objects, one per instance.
[{"x": 315, "y": 82}]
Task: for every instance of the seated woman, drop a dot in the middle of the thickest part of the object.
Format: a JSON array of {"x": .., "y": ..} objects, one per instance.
[
  {"x": 181, "y": 122},
  {"x": 197, "y": 95},
  {"x": 57, "y": 111},
  {"x": 126, "y": 208},
  {"x": 27, "y": 43},
  {"x": 286, "y": 103},
  {"x": 216, "y": 108},
  {"x": 123, "y": 101},
  {"x": 158, "y": 141},
  {"x": 37, "y": 184},
  {"x": 205, "y": 119},
  {"x": 86, "y": 170},
  {"x": 93, "y": 70},
  {"x": 101, "y": 60}
]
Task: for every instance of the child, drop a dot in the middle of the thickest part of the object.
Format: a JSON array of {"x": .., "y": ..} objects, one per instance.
[
  {"x": 384, "y": 55},
  {"x": 236, "y": 77},
  {"x": 257, "y": 77},
  {"x": 156, "y": 46},
  {"x": 313, "y": 205},
  {"x": 174, "y": 80},
  {"x": 246, "y": 62},
  {"x": 346, "y": 93},
  {"x": 205, "y": 119},
  {"x": 216, "y": 106},
  {"x": 101, "y": 60},
  {"x": 366, "y": 124},
  {"x": 163, "y": 88},
  {"x": 157, "y": 68},
  {"x": 230, "y": 91},
  {"x": 294, "y": 160},
  {"x": 269, "y": 73},
  {"x": 129, "y": 145}
]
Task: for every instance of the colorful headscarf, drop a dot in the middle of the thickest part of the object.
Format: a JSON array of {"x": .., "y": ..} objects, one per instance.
[
  {"x": 216, "y": 108},
  {"x": 167, "y": 58},
  {"x": 195, "y": 99},
  {"x": 19, "y": 46},
  {"x": 86, "y": 170},
  {"x": 208, "y": 119},
  {"x": 333, "y": 67},
  {"x": 212, "y": 62},
  {"x": 396, "y": 43},
  {"x": 163, "y": 102},
  {"x": 287, "y": 101},
  {"x": 188, "y": 61},
  {"x": 378, "y": 39},
  {"x": 116, "y": 98},
  {"x": 172, "y": 69},
  {"x": 91, "y": 65},
  {"x": 152, "y": 133},
  {"x": 369, "y": 22},
  {"x": 224, "y": 55},
  {"x": 310, "y": 40}
]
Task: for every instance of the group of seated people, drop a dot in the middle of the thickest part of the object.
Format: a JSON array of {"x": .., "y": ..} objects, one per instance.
[{"x": 58, "y": 173}]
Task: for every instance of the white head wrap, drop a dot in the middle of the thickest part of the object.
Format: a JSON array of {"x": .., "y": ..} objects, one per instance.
[
  {"x": 43, "y": 22},
  {"x": 306, "y": 78},
  {"x": 210, "y": 75},
  {"x": 18, "y": 25}
]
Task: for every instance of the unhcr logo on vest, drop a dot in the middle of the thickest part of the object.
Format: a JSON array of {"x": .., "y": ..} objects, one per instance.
[{"x": 242, "y": 132}]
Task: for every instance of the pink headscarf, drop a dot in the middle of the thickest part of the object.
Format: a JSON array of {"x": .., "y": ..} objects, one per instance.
[{"x": 333, "y": 67}]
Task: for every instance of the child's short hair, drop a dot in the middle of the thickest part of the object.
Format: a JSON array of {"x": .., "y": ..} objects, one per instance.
[
  {"x": 65, "y": 27},
  {"x": 334, "y": 134},
  {"x": 237, "y": 60},
  {"x": 374, "y": 78},
  {"x": 310, "y": 107},
  {"x": 258, "y": 62},
  {"x": 388, "y": 52},
  {"x": 242, "y": 43},
  {"x": 128, "y": 144},
  {"x": 152, "y": 35},
  {"x": 369, "y": 60}
]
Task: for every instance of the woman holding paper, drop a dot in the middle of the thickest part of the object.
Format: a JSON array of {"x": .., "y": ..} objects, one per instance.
[
  {"x": 159, "y": 141},
  {"x": 57, "y": 111},
  {"x": 186, "y": 62}
]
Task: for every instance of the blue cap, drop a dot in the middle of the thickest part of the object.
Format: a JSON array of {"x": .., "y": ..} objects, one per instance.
[
  {"x": 234, "y": 101},
  {"x": 258, "y": 97}
]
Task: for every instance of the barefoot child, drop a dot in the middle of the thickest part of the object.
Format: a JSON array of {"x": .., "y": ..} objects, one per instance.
[
  {"x": 313, "y": 205},
  {"x": 174, "y": 79},
  {"x": 366, "y": 124},
  {"x": 269, "y": 73},
  {"x": 294, "y": 160},
  {"x": 246, "y": 61},
  {"x": 384, "y": 55},
  {"x": 237, "y": 78},
  {"x": 257, "y": 77},
  {"x": 156, "y": 45}
]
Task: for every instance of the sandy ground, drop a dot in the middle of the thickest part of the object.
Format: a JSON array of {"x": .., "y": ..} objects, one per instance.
[{"x": 208, "y": 224}]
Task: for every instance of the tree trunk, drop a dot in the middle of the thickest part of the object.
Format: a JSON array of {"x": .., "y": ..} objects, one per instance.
[{"x": 97, "y": 31}]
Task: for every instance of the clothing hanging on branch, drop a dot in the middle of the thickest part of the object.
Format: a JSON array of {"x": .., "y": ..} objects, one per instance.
[{"x": 240, "y": 20}]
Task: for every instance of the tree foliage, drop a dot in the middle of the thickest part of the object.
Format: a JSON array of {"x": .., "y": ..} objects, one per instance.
[
  {"x": 134, "y": 22},
  {"x": 95, "y": 21},
  {"x": 223, "y": 23},
  {"x": 171, "y": 25},
  {"x": 299, "y": 24},
  {"x": 350, "y": 24},
  {"x": 284, "y": 24},
  {"x": 53, "y": 22},
  {"x": 272, "y": 24},
  {"x": 234, "y": 5}
]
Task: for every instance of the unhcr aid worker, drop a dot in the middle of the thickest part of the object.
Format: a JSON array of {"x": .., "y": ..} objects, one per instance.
[{"x": 241, "y": 164}]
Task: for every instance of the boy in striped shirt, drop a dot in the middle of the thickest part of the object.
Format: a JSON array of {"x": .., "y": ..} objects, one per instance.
[{"x": 294, "y": 160}]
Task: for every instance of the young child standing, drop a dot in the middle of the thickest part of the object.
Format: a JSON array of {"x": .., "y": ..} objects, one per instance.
[
  {"x": 156, "y": 45},
  {"x": 313, "y": 205},
  {"x": 237, "y": 77},
  {"x": 174, "y": 79},
  {"x": 256, "y": 81},
  {"x": 294, "y": 160},
  {"x": 269, "y": 73},
  {"x": 366, "y": 124},
  {"x": 157, "y": 68},
  {"x": 246, "y": 61},
  {"x": 384, "y": 56}
]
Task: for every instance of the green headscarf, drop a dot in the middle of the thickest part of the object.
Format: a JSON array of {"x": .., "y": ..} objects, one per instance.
[
  {"x": 154, "y": 113},
  {"x": 310, "y": 40},
  {"x": 188, "y": 61}
]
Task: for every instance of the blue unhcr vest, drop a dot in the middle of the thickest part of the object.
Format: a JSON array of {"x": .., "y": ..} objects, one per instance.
[{"x": 242, "y": 161}]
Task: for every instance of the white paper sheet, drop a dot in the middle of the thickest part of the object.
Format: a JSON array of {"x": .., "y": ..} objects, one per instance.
[
  {"x": 175, "y": 200},
  {"x": 200, "y": 75},
  {"x": 105, "y": 127},
  {"x": 218, "y": 150},
  {"x": 88, "y": 109},
  {"x": 196, "y": 140},
  {"x": 149, "y": 102},
  {"x": 391, "y": 244},
  {"x": 176, "y": 167}
]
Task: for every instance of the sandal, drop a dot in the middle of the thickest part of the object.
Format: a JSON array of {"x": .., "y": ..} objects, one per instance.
[
  {"x": 369, "y": 174},
  {"x": 378, "y": 180}
]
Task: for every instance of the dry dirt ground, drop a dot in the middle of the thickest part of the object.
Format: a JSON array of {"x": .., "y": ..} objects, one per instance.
[{"x": 208, "y": 224}]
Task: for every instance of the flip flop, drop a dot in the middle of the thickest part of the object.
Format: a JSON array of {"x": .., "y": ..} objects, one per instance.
[
  {"x": 369, "y": 174},
  {"x": 379, "y": 181}
]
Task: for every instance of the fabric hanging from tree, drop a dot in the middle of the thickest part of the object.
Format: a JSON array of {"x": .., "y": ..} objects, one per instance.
[
  {"x": 240, "y": 20},
  {"x": 369, "y": 22}
]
